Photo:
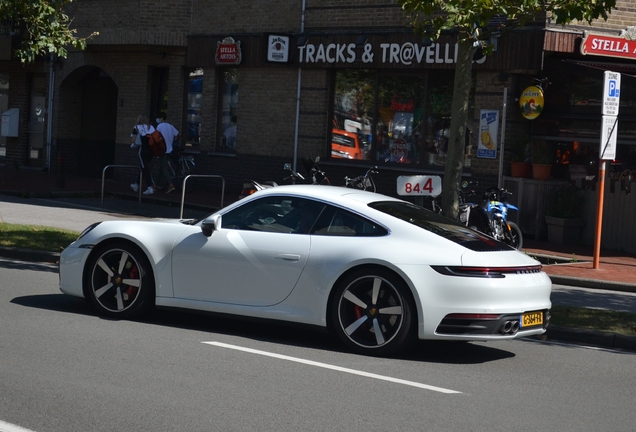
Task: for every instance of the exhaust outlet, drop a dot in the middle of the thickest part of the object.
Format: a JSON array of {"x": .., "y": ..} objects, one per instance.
[
  {"x": 515, "y": 327},
  {"x": 506, "y": 327}
]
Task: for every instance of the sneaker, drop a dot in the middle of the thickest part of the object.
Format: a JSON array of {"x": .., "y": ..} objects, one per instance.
[
  {"x": 149, "y": 191},
  {"x": 134, "y": 187},
  {"x": 170, "y": 188}
]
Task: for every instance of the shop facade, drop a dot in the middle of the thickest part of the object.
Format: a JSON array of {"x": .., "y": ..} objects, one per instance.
[{"x": 255, "y": 85}]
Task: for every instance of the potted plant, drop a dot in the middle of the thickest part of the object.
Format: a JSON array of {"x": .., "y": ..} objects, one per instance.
[
  {"x": 563, "y": 214},
  {"x": 520, "y": 165},
  {"x": 542, "y": 160}
]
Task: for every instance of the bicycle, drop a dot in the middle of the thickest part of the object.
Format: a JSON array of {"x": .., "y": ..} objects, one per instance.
[
  {"x": 180, "y": 165},
  {"x": 363, "y": 182}
]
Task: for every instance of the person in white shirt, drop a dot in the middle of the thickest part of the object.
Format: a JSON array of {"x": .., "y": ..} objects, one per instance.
[
  {"x": 170, "y": 134},
  {"x": 139, "y": 140}
]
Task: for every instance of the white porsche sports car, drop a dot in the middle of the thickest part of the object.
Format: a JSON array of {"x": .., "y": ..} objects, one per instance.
[{"x": 377, "y": 271}]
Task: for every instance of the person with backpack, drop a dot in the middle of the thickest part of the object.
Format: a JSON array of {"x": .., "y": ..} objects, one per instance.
[
  {"x": 139, "y": 139},
  {"x": 170, "y": 134}
]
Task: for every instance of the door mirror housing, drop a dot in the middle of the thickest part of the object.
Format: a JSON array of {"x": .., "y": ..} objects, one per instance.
[{"x": 210, "y": 224}]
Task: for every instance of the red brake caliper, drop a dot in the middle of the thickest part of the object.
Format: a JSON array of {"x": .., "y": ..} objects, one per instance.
[{"x": 132, "y": 274}]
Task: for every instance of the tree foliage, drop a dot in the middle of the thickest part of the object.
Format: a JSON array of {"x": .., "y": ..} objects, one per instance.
[
  {"x": 43, "y": 26},
  {"x": 469, "y": 19}
]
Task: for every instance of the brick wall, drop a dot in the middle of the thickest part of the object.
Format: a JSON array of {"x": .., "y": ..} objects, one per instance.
[
  {"x": 622, "y": 16},
  {"x": 135, "y": 35}
]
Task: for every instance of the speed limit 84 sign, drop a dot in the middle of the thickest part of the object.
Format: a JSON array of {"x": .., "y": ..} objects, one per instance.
[{"x": 420, "y": 185}]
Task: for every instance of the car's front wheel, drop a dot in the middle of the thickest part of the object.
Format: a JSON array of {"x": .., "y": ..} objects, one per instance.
[
  {"x": 372, "y": 313},
  {"x": 119, "y": 281}
]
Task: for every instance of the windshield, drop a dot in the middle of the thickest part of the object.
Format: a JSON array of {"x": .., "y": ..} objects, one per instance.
[{"x": 440, "y": 225}]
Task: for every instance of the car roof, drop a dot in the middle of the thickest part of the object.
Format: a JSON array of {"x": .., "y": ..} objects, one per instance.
[{"x": 339, "y": 194}]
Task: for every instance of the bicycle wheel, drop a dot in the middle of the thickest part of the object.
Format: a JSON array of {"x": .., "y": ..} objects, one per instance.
[
  {"x": 155, "y": 173},
  {"x": 516, "y": 237},
  {"x": 186, "y": 167}
]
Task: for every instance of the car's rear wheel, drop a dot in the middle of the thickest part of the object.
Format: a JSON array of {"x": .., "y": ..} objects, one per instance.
[
  {"x": 372, "y": 312},
  {"x": 119, "y": 281}
]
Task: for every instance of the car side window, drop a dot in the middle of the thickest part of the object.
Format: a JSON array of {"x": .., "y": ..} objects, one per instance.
[
  {"x": 281, "y": 214},
  {"x": 339, "y": 222}
]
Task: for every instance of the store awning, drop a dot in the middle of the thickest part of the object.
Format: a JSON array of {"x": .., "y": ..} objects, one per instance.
[{"x": 622, "y": 68}]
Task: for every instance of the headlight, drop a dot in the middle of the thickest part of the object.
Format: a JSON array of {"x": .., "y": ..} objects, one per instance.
[{"x": 87, "y": 230}]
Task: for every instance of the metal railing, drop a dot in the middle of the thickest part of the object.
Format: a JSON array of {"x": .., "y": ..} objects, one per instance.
[
  {"x": 183, "y": 188},
  {"x": 121, "y": 166}
]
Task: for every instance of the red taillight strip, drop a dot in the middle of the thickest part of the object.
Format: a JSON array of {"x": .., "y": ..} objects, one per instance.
[
  {"x": 486, "y": 272},
  {"x": 472, "y": 316}
]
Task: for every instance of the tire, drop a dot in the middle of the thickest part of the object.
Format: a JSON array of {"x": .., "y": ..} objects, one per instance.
[
  {"x": 185, "y": 170},
  {"x": 516, "y": 236},
  {"x": 372, "y": 312},
  {"x": 119, "y": 281}
]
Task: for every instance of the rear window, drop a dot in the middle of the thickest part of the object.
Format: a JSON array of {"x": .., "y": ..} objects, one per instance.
[
  {"x": 343, "y": 140},
  {"x": 342, "y": 223},
  {"x": 440, "y": 225}
]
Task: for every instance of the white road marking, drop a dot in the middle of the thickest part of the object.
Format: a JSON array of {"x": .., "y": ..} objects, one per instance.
[
  {"x": 8, "y": 427},
  {"x": 335, "y": 368}
]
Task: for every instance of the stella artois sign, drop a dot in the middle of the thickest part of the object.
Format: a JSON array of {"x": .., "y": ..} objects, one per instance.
[
  {"x": 623, "y": 46},
  {"x": 228, "y": 52}
]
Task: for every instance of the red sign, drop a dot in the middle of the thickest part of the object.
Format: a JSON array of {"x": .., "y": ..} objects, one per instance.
[
  {"x": 398, "y": 105},
  {"x": 608, "y": 46},
  {"x": 228, "y": 52}
]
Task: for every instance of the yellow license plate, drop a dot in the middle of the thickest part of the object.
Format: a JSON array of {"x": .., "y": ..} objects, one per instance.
[{"x": 531, "y": 319}]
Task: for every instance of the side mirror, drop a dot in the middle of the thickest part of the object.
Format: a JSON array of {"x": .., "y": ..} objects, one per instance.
[{"x": 210, "y": 224}]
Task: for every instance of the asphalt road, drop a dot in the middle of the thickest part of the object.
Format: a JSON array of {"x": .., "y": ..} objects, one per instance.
[
  {"x": 63, "y": 368},
  {"x": 77, "y": 213}
]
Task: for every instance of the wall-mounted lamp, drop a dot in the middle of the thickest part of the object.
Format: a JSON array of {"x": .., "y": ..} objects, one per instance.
[
  {"x": 361, "y": 40},
  {"x": 302, "y": 41}
]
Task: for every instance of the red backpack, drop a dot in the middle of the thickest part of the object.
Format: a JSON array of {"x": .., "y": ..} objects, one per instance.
[{"x": 157, "y": 143}]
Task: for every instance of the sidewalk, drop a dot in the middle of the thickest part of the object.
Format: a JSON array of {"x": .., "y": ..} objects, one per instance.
[
  {"x": 570, "y": 266},
  {"x": 617, "y": 271}
]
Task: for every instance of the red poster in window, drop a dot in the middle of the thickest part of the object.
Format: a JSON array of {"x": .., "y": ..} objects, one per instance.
[{"x": 228, "y": 52}]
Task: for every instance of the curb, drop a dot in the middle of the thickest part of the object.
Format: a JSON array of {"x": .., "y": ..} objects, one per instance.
[
  {"x": 31, "y": 255},
  {"x": 591, "y": 337},
  {"x": 592, "y": 283},
  {"x": 52, "y": 194}
]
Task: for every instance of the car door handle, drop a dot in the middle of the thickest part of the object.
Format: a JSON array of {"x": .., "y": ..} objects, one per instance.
[{"x": 288, "y": 257}]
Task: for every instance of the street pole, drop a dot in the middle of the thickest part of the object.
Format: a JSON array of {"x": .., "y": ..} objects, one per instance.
[
  {"x": 599, "y": 214},
  {"x": 607, "y": 151},
  {"x": 503, "y": 138}
]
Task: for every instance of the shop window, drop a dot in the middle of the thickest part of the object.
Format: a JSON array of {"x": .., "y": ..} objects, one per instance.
[
  {"x": 193, "y": 116},
  {"x": 228, "y": 100},
  {"x": 4, "y": 105},
  {"x": 353, "y": 110},
  {"x": 391, "y": 118}
]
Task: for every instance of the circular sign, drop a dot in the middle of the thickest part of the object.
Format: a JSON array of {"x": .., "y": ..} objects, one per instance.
[
  {"x": 399, "y": 151},
  {"x": 531, "y": 102}
]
